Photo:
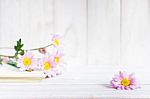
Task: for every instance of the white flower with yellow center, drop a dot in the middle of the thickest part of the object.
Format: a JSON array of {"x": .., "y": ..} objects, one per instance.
[{"x": 27, "y": 61}]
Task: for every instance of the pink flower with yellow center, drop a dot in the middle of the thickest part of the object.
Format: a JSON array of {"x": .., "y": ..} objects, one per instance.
[
  {"x": 57, "y": 57},
  {"x": 124, "y": 82},
  {"x": 56, "y": 40},
  {"x": 27, "y": 61},
  {"x": 48, "y": 65}
]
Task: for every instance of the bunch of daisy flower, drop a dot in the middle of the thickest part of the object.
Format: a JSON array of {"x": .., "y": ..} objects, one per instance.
[{"x": 50, "y": 63}]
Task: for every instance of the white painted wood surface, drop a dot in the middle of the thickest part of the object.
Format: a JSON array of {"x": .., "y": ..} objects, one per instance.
[
  {"x": 30, "y": 20},
  {"x": 70, "y": 21},
  {"x": 135, "y": 36},
  {"x": 72, "y": 91},
  {"x": 104, "y": 32}
]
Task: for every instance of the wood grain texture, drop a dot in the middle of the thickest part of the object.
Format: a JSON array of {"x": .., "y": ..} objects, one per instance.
[
  {"x": 54, "y": 91},
  {"x": 104, "y": 32},
  {"x": 30, "y": 20},
  {"x": 135, "y": 34},
  {"x": 70, "y": 21}
]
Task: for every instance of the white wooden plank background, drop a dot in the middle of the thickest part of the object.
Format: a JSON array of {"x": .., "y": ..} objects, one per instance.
[
  {"x": 92, "y": 27},
  {"x": 135, "y": 33},
  {"x": 104, "y": 32},
  {"x": 31, "y": 20},
  {"x": 70, "y": 21}
]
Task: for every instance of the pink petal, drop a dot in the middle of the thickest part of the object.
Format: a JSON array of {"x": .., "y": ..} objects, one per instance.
[
  {"x": 115, "y": 84},
  {"x": 132, "y": 86},
  {"x": 127, "y": 88},
  {"x": 117, "y": 78},
  {"x": 131, "y": 76},
  {"x": 133, "y": 82},
  {"x": 118, "y": 87},
  {"x": 122, "y": 88},
  {"x": 123, "y": 74}
]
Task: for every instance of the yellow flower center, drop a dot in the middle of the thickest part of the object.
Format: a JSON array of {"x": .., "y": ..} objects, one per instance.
[
  {"x": 57, "y": 60},
  {"x": 47, "y": 66},
  {"x": 56, "y": 42},
  {"x": 125, "y": 82},
  {"x": 26, "y": 61}
]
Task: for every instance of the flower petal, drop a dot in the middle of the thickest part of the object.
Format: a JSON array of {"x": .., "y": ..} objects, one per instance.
[{"x": 122, "y": 74}]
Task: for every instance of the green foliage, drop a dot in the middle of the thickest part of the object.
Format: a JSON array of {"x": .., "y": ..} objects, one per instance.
[
  {"x": 18, "y": 49},
  {"x": 12, "y": 63}
]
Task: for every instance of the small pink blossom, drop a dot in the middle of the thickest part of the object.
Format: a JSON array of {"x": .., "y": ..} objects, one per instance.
[
  {"x": 56, "y": 40},
  {"x": 27, "y": 61},
  {"x": 124, "y": 81},
  {"x": 42, "y": 50},
  {"x": 58, "y": 57}
]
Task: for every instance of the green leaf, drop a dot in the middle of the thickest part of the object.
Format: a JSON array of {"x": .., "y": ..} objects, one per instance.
[
  {"x": 20, "y": 40},
  {"x": 21, "y": 45},
  {"x": 18, "y": 48},
  {"x": 21, "y": 52},
  {"x": 15, "y": 47},
  {"x": 17, "y": 43},
  {"x": 12, "y": 63}
]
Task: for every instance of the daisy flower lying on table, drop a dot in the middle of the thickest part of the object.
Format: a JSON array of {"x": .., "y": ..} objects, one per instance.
[{"x": 123, "y": 81}]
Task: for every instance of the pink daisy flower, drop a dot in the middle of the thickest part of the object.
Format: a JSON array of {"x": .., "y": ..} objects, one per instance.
[
  {"x": 27, "y": 61},
  {"x": 59, "y": 62},
  {"x": 56, "y": 40},
  {"x": 124, "y": 81},
  {"x": 57, "y": 57},
  {"x": 48, "y": 65}
]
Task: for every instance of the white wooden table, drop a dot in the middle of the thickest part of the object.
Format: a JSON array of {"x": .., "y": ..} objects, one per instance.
[
  {"x": 89, "y": 85},
  {"x": 47, "y": 89}
]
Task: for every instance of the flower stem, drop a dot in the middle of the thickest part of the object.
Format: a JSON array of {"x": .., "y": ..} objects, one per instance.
[
  {"x": 9, "y": 56},
  {"x": 39, "y": 48}
]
